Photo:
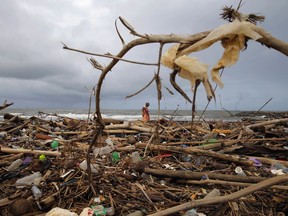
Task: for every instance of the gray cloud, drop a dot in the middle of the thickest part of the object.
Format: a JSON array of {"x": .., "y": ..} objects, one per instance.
[{"x": 36, "y": 72}]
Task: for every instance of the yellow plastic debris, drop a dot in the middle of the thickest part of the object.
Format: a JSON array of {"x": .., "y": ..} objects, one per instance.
[
  {"x": 167, "y": 58},
  {"x": 230, "y": 56},
  {"x": 192, "y": 69},
  {"x": 232, "y": 36},
  {"x": 228, "y": 31},
  {"x": 221, "y": 131}
]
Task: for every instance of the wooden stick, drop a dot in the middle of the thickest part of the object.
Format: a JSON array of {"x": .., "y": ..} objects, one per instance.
[
  {"x": 129, "y": 125},
  {"x": 274, "y": 121},
  {"x": 200, "y": 175},
  {"x": 29, "y": 151},
  {"x": 219, "y": 182},
  {"x": 222, "y": 199},
  {"x": 19, "y": 127},
  {"x": 5, "y": 105},
  {"x": 196, "y": 151},
  {"x": 270, "y": 161}
]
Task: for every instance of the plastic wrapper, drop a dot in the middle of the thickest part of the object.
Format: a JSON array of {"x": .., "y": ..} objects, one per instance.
[
  {"x": 192, "y": 69},
  {"x": 60, "y": 212},
  {"x": 228, "y": 31},
  {"x": 232, "y": 36},
  {"x": 168, "y": 58},
  {"x": 230, "y": 56}
]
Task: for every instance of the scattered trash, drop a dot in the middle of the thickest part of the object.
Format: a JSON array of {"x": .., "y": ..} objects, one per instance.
[{"x": 51, "y": 172}]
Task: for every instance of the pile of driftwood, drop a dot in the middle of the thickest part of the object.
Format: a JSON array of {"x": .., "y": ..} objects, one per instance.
[{"x": 156, "y": 168}]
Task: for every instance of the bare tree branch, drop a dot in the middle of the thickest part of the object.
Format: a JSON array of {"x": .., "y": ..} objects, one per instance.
[
  {"x": 5, "y": 105},
  {"x": 129, "y": 96}
]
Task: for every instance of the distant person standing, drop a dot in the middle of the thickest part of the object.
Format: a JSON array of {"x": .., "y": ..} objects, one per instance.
[{"x": 145, "y": 113}]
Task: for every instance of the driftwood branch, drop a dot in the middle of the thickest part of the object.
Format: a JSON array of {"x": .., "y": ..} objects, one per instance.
[
  {"x": 29, "y": 151},
  {"x": 5, "y": 105},
  {"x": 274, "y": 121},
  {"x": 199, "y": 175},
  {"x": 129, "y": 96},
  {"x": 229, "y": 183}
]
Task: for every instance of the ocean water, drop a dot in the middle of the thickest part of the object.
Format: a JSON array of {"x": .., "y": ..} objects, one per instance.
[{"x": 128, "y": 115}]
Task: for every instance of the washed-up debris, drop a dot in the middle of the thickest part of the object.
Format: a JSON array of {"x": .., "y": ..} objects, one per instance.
[
  {"x": 65, "y": 166},
  {"x": 44, "y": 164}
]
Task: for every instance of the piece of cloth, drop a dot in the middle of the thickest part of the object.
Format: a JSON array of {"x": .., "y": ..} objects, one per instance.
[{"x": 145, "y": 114}]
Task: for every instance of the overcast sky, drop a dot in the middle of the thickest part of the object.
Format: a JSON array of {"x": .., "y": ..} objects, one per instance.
[{"x": 35, "y": 72}]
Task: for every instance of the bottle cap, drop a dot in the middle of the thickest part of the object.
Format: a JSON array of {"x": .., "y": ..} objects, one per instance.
[
  {"x": 54, "y": 144},
  {"x": 42, "y": 157}
]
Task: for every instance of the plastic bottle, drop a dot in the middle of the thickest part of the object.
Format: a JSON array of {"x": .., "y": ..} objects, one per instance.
[
  {"x": 94, "y": 167},
  {"x": 103, "y": 150},
  {"x": 191, "y": 212},
  {"x": 99, "y": 210},
  {"x": 37, "y": 193},
  {"x": 214, "y": 193},
  {"x": 29, "y": 180},
  {"x": 15, "y": 164},
  {"x": 135, "y": 157}
]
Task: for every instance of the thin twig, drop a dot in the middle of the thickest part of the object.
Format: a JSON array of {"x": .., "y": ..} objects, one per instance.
[
  {"x": 129, "y": 96},
  {"x": 121, "y": 38},
  {"x": 262, "y": 106},
  {"x": 109, "y": 56}
]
